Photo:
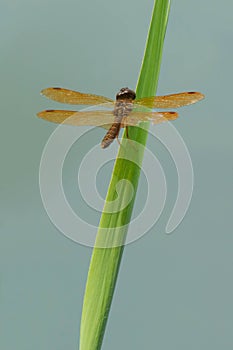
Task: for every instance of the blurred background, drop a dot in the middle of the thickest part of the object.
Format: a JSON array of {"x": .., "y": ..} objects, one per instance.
[{"x": 173, "y": 291}]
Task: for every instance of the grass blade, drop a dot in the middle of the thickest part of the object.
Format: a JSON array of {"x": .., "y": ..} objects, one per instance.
[{"x": 109, "y": 246}]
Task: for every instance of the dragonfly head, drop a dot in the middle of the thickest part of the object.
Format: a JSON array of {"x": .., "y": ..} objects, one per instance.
[{"x": 126, "y": 94}]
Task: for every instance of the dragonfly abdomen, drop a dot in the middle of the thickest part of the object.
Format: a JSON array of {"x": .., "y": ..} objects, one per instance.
[
  {"x": 121, "y": 110},
  {"x": 111, "y": 135}
]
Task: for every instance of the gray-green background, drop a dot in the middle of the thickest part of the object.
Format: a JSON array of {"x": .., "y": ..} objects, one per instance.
[{"x": 173, "y": 292}]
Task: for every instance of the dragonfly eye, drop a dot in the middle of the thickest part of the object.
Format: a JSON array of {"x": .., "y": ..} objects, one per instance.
[{"x": 126, "y": 94}]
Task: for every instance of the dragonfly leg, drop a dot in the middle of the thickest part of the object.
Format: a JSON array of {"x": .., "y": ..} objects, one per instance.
[
  {"x": 127, "y": 132},
  {"x": 118, "y": 139}
]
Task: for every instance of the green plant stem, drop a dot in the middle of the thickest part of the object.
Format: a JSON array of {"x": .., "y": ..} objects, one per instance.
[{"x": 111, "y": 235}]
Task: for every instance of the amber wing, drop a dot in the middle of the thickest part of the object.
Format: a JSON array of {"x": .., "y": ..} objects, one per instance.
[
  {"x": 91, "y": 118},
  {"x": 74, "y": 97},
  {"x": 170, "y": 101},
  {"x": 135, "y": 118}
]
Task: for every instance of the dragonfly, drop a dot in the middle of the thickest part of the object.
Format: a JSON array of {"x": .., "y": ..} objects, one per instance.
[{"x": 125, "y": 111}]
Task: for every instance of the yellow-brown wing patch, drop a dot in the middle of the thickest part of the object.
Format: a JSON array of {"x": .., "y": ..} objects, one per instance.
[
  {"x": 73, "y": 97},
  {"x": 154, "y": 117},
  {"x": 91, "y": 118},
  {"x": 170, "y": 101}
]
